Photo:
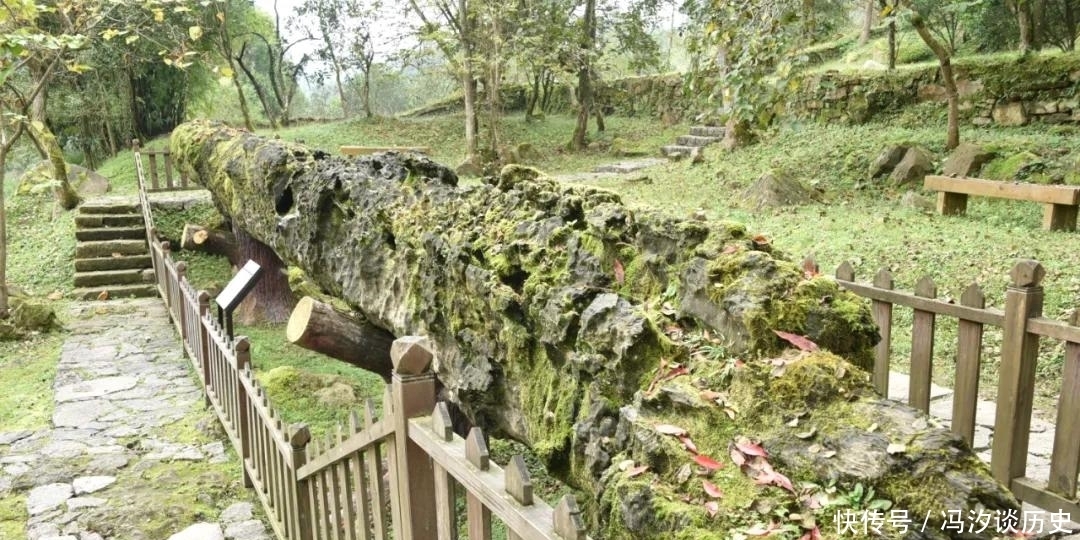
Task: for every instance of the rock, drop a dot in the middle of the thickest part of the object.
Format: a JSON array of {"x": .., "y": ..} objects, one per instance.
[
  {"x": 9, "y": 437},
  {"x": 338, "y": 394},
  {"x": 470, "y": 167},
  {"x": 912, "y": 199},
  {"x": 252, "y": 529},
  {"x": 90, "y": 484},
  {"x": 86, "y": 182},
  {"x": 775, "y": 190},
  {"x": 1012, "y": 113},
  {"x": 967, "y": 160},
  {"x": 47, "y": 497},
  {"x": 1018, "y": 166},
  {"x": 94, "y": 388},
  {"x": 887, "y": 160},
  {"x": 236, "y": 512},
  {"x": 917, "y": 163},
  {"x": 76, "y": 503},
  {"x": 81, "y": 413},
  {"x": 200, "y": 531}
]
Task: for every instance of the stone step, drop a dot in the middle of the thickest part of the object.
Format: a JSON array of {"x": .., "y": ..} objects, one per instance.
[
  {"x": 96, "y": 221},
  {"x": 677, "y": 150},
  {"x": 110, "y": 207},
  {"x": 707, "y": 131},
  {"x": 107, "y": 248},
  {"x": 142, "y": 290},
  {"x": 103, "y": 278},
  {"x": 110, "y": 233},
  {"x": 694, "y": 140},
  {"x": 99, "y": 264}
]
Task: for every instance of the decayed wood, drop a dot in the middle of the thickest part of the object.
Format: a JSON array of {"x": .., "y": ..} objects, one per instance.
[
  {"x": 922, "y": 349},
  {"x": 1067, "y": 195},
  {"x": 882, "y": 312},
  {"x": 319, "y": 327},
  {"x": 214, "y": 241},
  {"x": 1065, "y": 461},
  {"x": 1016, "y": 377},
  {"x": 968, "y": 352},
  {"x": 350, "y": 150}
]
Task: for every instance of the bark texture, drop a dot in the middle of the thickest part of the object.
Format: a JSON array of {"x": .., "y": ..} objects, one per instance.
[{"x": 570, "y": 322}]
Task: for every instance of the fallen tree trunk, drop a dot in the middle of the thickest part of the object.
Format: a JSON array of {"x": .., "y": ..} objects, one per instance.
[
  {"x": 212, "y": 241},
  {"x": 604, "y": 338},
  {"x": 319, "y": 327}
]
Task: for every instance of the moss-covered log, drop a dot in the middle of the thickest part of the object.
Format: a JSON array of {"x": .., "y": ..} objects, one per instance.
[{"x": 596, "y": 334}]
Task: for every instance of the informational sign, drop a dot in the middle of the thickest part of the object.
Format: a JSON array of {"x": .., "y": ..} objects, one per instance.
[{"x": 235, "y": 292}]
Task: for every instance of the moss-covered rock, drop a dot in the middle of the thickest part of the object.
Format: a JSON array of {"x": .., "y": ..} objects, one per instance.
[{"x": 1018, "y": 166}]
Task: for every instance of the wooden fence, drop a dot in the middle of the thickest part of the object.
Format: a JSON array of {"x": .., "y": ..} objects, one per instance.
[
  {"x": 162, "y": 178},
  {"x": 398, "y": 476},
  {"x": 1022, "y": 327}
]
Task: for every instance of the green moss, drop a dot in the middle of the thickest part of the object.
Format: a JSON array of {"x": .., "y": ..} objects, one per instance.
[
  {"x": 29, "y": 367},
  {"x": 13, "y": 516},
  {"x": 1018, "y": 166},
  {"x": 170, "y": 219}
]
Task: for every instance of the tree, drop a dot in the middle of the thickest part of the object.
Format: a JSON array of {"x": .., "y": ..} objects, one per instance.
[
  {"x": 1021, "y": 9},
  {"x": 585, "y": 75},
  {"x": 869, "y": 14},
  {"x": 944, "y": 56},
  {"x": 266, "y": 44},
  {"x": 343, "y": 28}
]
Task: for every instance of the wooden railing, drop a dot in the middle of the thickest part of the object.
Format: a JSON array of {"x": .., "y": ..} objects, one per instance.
[
  {"x": 1022, "y": 327},
  {"x": 163, "y": 178},
  {"x": 376, "y": 478}
]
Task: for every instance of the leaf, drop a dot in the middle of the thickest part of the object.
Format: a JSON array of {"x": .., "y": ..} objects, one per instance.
[
  {"x": 620, "y": 272},
  {"x": 636, "y": 471},
  {"x": 807, "y": 434},
  {"x": 873, "y": 427},
  {"x": 737, "y": 458},
  {"x": 131, "y": 39},
  {"x": 159, "y": 15},
  {"x": 626, "y": 464},
  {"x": 751, "y": 449},
  {"x": 711, "y": 489},
  {"x": 896, "y": 448},
  {"x": 688, "y": 444},
  {"x": 729, "y": 249},
  {"x": 668, "y": 429},
  {"x": 712, "y": 508},
  {"x": 782, "y": 481},
  {"x": 730, "y": 412},
  {"x": 226, "y": 72},
  {"x": 802, "y": 343},
  {"x": 707, "y": 462},
  {"x": 195, "y": 32}
]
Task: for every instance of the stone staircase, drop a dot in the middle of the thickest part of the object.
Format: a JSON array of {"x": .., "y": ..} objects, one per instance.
[
  {"x": 689, "y": 145},
  {"x": 112, "y": 259}
]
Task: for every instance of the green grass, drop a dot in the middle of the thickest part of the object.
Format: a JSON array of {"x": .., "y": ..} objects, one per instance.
[
  {"x": 41, "y": 244},
  {"x": 28, "y": 367}
]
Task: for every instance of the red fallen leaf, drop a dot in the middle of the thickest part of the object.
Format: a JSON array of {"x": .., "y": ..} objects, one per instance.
[
  {"x": 801, "y": 342},
  {"x": 812, "y": 534},
  {"x": 711, "y": 489},
  {"x": 620, "y": 272},
  {"x": 688, "y": 444},
  {"x": 765, "y": 478},
  {"x": 636, "y": 471},
  {"x": 712, "y": 508},
  {"x": 782, "y": 481},
  {"x": 668, "y": 429},
  {"x": 738, "y": 458},
  {"x": 751, "y": 449},
  {"x": 707, "y": 462},
  {"x": 739, "y": 363},
  {"x": 729, "y": 249},
  {"x": 676, "y": 371}
]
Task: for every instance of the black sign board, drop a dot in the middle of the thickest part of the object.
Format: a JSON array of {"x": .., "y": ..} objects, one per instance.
[{"x": 233, "y": 293}]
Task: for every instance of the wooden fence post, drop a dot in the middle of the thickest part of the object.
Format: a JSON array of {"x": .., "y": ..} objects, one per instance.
[
  {"x": 204, "y": 343},
  {"x": 1016, "y": 383},
  {"x": 413, "y": 483},
  {"x": 242, "y": 349},
  {"x": 164, "y": 280},
  {"x": 299, "y": 488},
  {"x": 181, "y": 312}
]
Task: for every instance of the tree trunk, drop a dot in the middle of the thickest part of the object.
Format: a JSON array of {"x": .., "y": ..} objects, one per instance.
[
  {"x": 892, "y": 45},
  {"x": 65, "y": 194},
  {"x": 471, "y": 146},
  {"x": 346, "y": 111},
  {"x": 365, "y": 92},
  {"x": 1070, "y": 25},
  {"x": 259, "y": 91},
  {"x": 540, "y": 300},
  {"x": 952, "y": 139},
  {"x": 213, "y": 241},
  {"x": 318, "y": 327},
  {"x": 868, "y": 21},
  {"x": 4, "y": 308},
  {"x": 1022, "y": 10},
  {"x": 585, "y": 90},
  {"x": 271, "y": 300}
]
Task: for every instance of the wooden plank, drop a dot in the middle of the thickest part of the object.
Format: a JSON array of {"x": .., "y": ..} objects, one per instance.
[
  {"x": 1054, "y": 329},
  {"x": 412, "y": 395},
  {"x": 989, "y": 316},
  {"x": 445, "y": 505},
  {"x": 922, "y": 349},
  {"x": 882, "y": 313},
  {"x": 951, "y": 204},
  {"x": 1065, "y": 460},
  {"x": 355, "y": 443},
  {"x": 532, "y": 522},
  {"x": 348, "y": 515},
  {"x": 478, "y": 518},
  {"x": 261, "y": 407},
  {"x": 168, "y": 170},
  {"x": 350, "y": 150},
  {"x": 153, "y": 171},
  {"x": 359, "y": 485},
  {"x": 373, "y": 462},
  {"x": 333, "y": 497},
  {"x": 1016, "y": 376},
  {"x": 1005, "y": 190},
  {"x": 1034, "y": 491},
  {"x": 968, "y": 352},
  {"x": 1059, "y": 217}
]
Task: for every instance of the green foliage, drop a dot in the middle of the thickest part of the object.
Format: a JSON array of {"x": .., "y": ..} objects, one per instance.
[
  {"x": 29, "y": 367},
  {"x": 41, "y": 242}
]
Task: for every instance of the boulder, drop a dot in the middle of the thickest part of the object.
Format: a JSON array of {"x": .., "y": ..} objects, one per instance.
[
  {"x": 967, "y": 160},
  {"x": 919, "y": 202},
  {"x": 38, "y": 178},
  {"x": 887, "y": 160},
  {"x": 917, "y": 163},
  {"x": 776, "y": 190},
  {"x": 470, "y": 167},
  {"x": 1019, "y": 166},
  {"x": 1012, "y": 113}
]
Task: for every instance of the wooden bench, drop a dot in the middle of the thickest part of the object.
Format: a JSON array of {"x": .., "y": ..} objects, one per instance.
[
  {"x": 368, "y": 150},
  {"x": 1060, "y": 201}
]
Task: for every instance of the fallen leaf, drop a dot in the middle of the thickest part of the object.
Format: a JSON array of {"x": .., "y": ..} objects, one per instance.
[
  {"x": 620, "y": 272},
  {"x": 707, "y": 462},
  {"x": 712, "y": 508},
  {"x": 807, "y": 434},
  {"x": 56, "y": 295},
  {"x": 103, "y": 295},
  {"x": 828, "y": 453},
  {"x": 636, "y": 471},
  {"x": 810, "y": 268},
  {"x": 729, "y": 249},
  {"x": 626, "y": 464},
  {"x": 117, "y": 254},
  {"x": 760, "y": 529},
  {"x": 873, "y": 427},
  {"x": 730, "y": 412},
  {"x": 751, "y": 449},
  {"x": 896, "y": 448},
  {"x": 737, "y": 458},
  {"x": 683, "y": 474},
  {"x": 793, "y": 423},
  {"x": 688, "y": 444},
  {"x": 783, "y": 481},
  {"x": 668, "y": 429},
  {"x": 800, "y": 342},
  {"x": 814, "y": 448},
  {"x": 779, "y": 371},
  {"x": 711, "y": 489}
]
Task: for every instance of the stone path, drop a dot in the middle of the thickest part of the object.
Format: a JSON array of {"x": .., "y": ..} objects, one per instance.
[
  {"x": 132, "y": 452},
  {"x": 624, "y": 169}
]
